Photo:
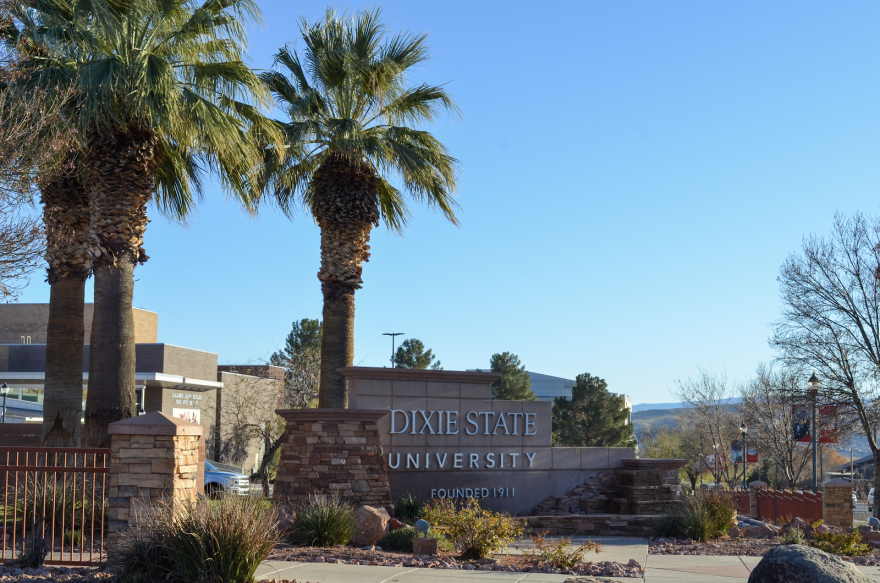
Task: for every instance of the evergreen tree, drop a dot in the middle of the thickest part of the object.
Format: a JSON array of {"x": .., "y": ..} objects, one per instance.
[
  {"x": 412, "y": 354},
  {"x": 305, "y": 335},
  {"x": 592, "y": 418},
  {"x": 515, "y": 383}
]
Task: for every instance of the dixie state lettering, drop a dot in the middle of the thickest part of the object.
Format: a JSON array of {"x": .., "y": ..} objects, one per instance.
[{"x": 417, "y": 422}]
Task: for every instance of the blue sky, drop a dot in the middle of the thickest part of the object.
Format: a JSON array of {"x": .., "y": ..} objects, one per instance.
[{"x": 633, "y": 176}]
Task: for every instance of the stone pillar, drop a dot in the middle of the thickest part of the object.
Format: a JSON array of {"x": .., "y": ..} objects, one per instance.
[
  {"x": 332, "y": 452},
  {"x": 153, "y": 460},
  {"x": 754, "y": 487},
  {"x": 837, "y": 506}
]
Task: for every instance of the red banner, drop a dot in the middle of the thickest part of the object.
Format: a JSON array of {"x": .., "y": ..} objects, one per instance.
[{"x": 736, "y": 453}]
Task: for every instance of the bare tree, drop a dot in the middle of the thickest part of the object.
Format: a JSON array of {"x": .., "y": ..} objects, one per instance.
[
  {"x": 248, "y": 401},
  {"x": 768, "y": 410},
  {"x": 716, "y": 420},
  {"x": 830, "y": 321}
]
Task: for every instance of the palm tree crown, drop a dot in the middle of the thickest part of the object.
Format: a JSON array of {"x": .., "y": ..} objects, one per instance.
[
  {"x": 351, "y": 133},
  {"x": 173, "y": 70},
  {"x": 349, "y": 97}
]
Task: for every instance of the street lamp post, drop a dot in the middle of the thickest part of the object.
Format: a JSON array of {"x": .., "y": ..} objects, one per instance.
[
  {"x": 745, "y": 450},
  {"x": 715, "y": 447},
  {"x": 813, "y": 385},
  {"x": 392, "y": 334},
  {"x": 4, "y": 388}
]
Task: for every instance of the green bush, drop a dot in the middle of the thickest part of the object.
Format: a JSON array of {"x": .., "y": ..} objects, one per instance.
[
  {"x": 408, "y": 509},
  {"x": 474, "y": 531},
  {"x": 220, "y": 542},
  {"x": 668, "y": 525},
  {"x": 401, "y": 540},
  {"x": 841, "y": 543},
  {"x": 794, "y": 536},
  {"x": 72, "y": 537},
  {"x": 703, "y": 517},
  {"x": 325, "y": 522}
]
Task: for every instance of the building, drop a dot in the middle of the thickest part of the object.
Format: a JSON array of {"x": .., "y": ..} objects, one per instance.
[
  {"x": 181, "y": 382},
  {"x": 548, "y": 388}
]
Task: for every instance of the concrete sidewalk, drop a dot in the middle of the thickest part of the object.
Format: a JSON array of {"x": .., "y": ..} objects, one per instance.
[{"x": 658, "y": 568}]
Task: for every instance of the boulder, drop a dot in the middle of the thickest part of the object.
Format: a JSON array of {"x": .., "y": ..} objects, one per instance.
[
  {"x": 803, "y": 564},
  {"x": 823, "y": 528},
  {"x": 758, "y": 531},
  {"x": 371, "y": 525},
  {"x": 801, "y": 525},
  {"x": 395, "y": 524}
]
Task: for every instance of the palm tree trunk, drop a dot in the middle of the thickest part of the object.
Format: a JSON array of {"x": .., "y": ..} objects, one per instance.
[
  {"x": 121, "y": 169},
  {"x": 337, "y": 346},
  {"x": 62, "y": 397},
  {"x": 111, "y": 353},
  {"x": 346, "y": 206},
  {"x": 66, "y": 215}
]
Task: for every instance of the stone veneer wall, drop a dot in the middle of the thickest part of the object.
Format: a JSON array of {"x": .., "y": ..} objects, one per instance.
[
  {"x": 332, "y": 451},
  {"x": 592, "y": 524},
  {"x": 641, "y": 487},
  {"x": 154, "y": 460}
]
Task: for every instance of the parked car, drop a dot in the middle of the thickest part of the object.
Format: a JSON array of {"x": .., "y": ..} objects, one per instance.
[
  {"x": 219, "y": 482},
  {"x": 871, "y": 500}
]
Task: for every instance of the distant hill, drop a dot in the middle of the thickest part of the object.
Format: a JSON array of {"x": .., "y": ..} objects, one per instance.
[
  {"x": 652, "y": 406},
  {"x": 654, "y": 417}
]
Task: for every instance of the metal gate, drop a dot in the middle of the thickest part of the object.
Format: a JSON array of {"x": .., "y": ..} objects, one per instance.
[{"x": 54, "y": 498}]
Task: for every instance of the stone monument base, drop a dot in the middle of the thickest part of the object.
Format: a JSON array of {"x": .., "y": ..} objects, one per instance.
[{"x": 332, "y": 452}]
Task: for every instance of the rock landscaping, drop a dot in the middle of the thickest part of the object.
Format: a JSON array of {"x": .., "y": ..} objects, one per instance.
[
  {"x": 10, "y": 572},
  {"x": 504, "y": 563}
]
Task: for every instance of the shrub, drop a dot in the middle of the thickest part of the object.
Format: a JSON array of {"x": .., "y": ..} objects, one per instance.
[
  {"x": 325, "y": 521},
  {"x": 793, "y": 536},
  {"x": 668, "y": 525},
  {"x": 408, "y": 509},
  {"x": 474, "y": 531},
  {"x": 703, "y": 517},
  {"x": 841, "y": 543},
  {"x": 72, "y": 537},
  {"x": 221, "y": 542},
  {"x": 34, "y": 550},
  {"x": 560, "y": 554},
  {"x": 402, "y": 540}
]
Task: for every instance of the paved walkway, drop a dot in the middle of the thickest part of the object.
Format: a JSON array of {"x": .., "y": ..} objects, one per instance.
[{"x": 658, "y": 568}]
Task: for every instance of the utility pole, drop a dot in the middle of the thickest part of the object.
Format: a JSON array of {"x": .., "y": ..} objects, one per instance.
[{"x": 392, "y": 334}]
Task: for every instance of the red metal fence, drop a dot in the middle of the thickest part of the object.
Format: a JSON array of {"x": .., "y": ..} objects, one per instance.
[
  {"x": 54, "y": 498},
  {"x": 741, "y": 497},
  {"x": 777, "y": 504}
]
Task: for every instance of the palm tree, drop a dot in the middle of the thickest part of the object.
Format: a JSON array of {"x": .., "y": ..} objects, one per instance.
[
  {"x": 351, "y": 131},
  {"x": 164, "y": 95}
]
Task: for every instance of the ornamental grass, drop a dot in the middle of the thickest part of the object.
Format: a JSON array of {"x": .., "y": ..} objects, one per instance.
[{"x": 221, "y": 541}]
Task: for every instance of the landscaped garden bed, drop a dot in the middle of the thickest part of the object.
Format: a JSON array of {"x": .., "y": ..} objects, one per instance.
[{"x": 446, "y": 560}]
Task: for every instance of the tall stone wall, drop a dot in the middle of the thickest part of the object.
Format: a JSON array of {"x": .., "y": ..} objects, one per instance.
[{"x": 335, "y": 452}]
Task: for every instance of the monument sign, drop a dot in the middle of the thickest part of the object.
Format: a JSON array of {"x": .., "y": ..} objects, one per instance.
[{"x": 444, "y": 437}]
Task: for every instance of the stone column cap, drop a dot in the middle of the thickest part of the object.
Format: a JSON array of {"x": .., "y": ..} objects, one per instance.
[
  {"x": 757, "y": 484},
  {"x": 837, "y": 483},
  {"x": 332, "y": 415},
  {"x": 155, "y": 423}
]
